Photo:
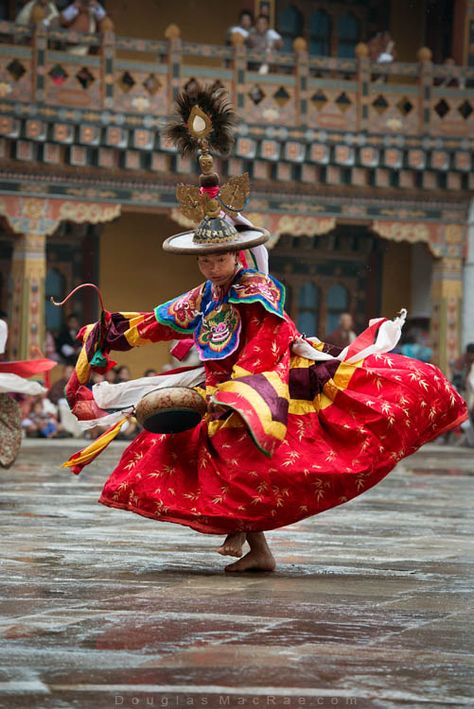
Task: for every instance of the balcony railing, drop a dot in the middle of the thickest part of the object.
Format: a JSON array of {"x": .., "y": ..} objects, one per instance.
[{"x": 141, "y": 77}]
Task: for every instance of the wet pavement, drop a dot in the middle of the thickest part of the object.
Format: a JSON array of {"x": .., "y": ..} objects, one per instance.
[{"x": 370, "y": 605}]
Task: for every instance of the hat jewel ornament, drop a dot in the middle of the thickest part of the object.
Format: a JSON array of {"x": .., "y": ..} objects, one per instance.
[{"x": 203, "y": 123}]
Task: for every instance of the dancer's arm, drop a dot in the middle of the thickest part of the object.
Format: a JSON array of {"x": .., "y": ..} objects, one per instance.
[{"x": 120, "y": 332}]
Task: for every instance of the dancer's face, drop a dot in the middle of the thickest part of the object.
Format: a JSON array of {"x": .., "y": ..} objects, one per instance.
[{"x": 218, "y": 268}]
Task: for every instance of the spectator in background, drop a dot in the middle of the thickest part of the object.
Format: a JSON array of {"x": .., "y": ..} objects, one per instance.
[
  {"x": 50, "y": 346},
  {"x": 56, "y": 392},
  {"x": 263, "y": 39},
  {"x": 468, "y": 426},
  {"x": 462, "y": 367},
  {"x": 97, "y": 378},
  {"x": 344, "y": 334},
  {"x": 411, "y": 348},
  {"x": 84, "y": 16},
  {"x": 37, "y": 11},
  {"x": 110, "y": 375},
  {"x": 41, "y": 421},
  {"x": 150, "y": 373},
  {"x": 123, "y": 374},
  {"x": 381, "y": 51},
  {"x": 67, "y": 346},
  {"x": 243, "y": 28},
  {"x": 463, "y": 379},
  {"x": 382, "y": 48}
]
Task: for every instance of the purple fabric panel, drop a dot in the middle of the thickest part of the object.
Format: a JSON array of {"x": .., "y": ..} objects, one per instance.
[
  {"x": 115, "y": 339},
  {"x": 333, "y": 350},
  {"x": 306, "y": 382},
  {"x": 92, "y": 341},
  {"x": 277, "y": 404}
]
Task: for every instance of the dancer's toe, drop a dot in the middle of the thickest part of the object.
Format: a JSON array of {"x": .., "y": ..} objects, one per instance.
[{"x": 233, "y": 544}]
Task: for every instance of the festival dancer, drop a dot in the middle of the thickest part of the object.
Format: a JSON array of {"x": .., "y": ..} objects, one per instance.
[
  {"x": 293, "y": 426},
  {"x": 14, "y": 380}
]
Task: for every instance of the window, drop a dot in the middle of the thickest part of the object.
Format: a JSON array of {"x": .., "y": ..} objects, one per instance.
[
  {"x": 347, "y": 36},
  {"x": 308, "y": 309},
  {"x": 337, "y": 300},
  {"x": 290, "y": 22},
  {"x": 319, "y": 34},
  {"x": 9, "y": 9},
  {"x": 331, "y": 28}
]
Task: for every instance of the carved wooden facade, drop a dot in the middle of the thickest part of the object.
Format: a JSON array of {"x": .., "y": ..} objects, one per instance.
[{"x": 386, "y": 147}]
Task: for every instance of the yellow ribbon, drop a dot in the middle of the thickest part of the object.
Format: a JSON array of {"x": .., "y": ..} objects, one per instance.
[{"x": 85, "y": 456}]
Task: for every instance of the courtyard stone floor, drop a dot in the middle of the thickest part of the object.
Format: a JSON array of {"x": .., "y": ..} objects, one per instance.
[{"x": 370, "y": 606}]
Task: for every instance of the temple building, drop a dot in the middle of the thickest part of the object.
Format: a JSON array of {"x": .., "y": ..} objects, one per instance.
[{"x": 361, "y": 169}]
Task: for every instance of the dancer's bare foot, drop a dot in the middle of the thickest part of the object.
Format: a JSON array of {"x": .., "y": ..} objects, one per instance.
[
  {"x": 254, "y": 561},
  {"x": 233, "y": 544},
  {"x": 259, "y": 558}
]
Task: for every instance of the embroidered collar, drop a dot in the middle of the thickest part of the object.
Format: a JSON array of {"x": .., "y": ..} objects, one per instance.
[{"x": 211, "y": 312}]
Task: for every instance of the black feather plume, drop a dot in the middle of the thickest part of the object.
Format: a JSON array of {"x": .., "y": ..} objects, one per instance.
[{"x": 216, "y": 104}]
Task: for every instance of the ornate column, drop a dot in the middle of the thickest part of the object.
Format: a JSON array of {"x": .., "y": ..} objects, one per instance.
[
  {"x": 32, "y": 220},
  {"x": 173, "y": 35},
  {"x": 446, "y": 294},
  {"x": 363, "y": 81},
  {"x": 239, "y": 66},
  {"x": 26, "y": 316},
  {"x": 468, "y": 307},
  {"x": 300, "y": 46},
  {"x": 446, "y": 243}
]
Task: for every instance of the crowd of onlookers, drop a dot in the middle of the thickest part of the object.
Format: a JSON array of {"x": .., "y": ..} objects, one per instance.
[
  {"x": 49, "y": 416},
  {"x": 257, "y": 35},
  {"x": 80, "y": 16},
  {"x": 89, "y": 16}
]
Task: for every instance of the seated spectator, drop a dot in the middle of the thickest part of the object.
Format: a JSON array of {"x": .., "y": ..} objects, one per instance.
[
  {"x": 50, "y": 347},
  {"x": 97, "y": 378},
  {"x": 468, "y": 426},
  {"x": 381, "y": 51},
  {"x": 84, "y": 16},
  {"x": 150, "y": 373},
  {"x": 461, "y": 368},
  {"x": 42, "y": 420},
  {"x": 382, "y": 48},
  {"x": 463, "y": 379},
  {"x": 67, "y": 346},
  {"x": 243, "y": 28},
  {"x": 110, "y": 375},
  {"x": 57, "y": 390},
  {"x": 123, "y": 374},
  {"x": 36, "y": 11},
  {"x": 344, "y": 334},
  {"x": 263, "y": 39},
  {"x": 411, "y": 348}
]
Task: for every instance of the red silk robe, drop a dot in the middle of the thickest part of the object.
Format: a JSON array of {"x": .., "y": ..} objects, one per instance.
[{"x": 296, "y": 436}]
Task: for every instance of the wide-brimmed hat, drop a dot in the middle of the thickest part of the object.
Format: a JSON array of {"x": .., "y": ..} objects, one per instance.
[
  {"x": 203, "y": 123},
  {"x": 214, "y": 240}
]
